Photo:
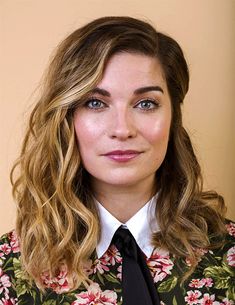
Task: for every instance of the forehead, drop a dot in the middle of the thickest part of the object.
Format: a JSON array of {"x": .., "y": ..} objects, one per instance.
[{"x": 131, "y": 70}]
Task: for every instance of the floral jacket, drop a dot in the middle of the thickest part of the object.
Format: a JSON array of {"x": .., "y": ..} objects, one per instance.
[{"x": 212, "y": 283}]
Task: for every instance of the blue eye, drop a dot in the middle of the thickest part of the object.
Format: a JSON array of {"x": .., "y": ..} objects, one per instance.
[
  {"x": 147, "y": 105},
  {"x": 94, "y": 104}
]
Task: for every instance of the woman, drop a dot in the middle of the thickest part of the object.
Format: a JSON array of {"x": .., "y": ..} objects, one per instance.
[{"x": 105, "y": 154}]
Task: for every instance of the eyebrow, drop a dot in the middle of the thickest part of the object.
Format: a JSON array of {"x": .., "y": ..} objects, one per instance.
[{"x": 137, "y": 91}]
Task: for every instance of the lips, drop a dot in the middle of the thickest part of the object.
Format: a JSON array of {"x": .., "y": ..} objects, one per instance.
[
  {"x": 122, "y": 152},
  {"x": 122, "y": 155}
]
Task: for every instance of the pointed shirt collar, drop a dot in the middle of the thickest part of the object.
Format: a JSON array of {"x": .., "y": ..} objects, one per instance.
[{"x": 141, "y": 226}]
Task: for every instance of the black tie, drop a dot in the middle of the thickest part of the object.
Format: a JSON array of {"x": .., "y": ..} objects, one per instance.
[{"x": 137, "y": 282}]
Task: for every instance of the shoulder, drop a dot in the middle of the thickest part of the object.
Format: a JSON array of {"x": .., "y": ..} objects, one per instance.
[
  {"x": 230, "y": 228},
  {"x": 10, "y": 241},
  {"x": 227, "y": 252},
  {"x": 9, "y": 256},
  {"x": 9, "y": 247},
  {"x": 211, "y": 282},
  {"x": 214, "y": 276},
  {"x": 228, "y": 247},
  {"x": 220, "y": 260}
]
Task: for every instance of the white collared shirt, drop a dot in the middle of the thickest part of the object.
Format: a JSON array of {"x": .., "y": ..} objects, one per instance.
[{"x": 141, "y": 225}]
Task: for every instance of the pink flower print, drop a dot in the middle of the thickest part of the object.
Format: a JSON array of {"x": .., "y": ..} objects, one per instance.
[
  {"x": 101, "y": 265},
  {"x": 160, "y": 264},
  {"x": 200, "y": 252},
  {"x": 192, "y": 297},
  {"x": 113, "y": 255},
  {"x": 231, "y": 257},
  {"x": 208, "y": 300},
  {"x": 119, "y": 270},
  {"x": 188, "y": 261},
  {"x": 227, "y": 302},
  {"x": 7, "y": 301},
  {"x": 87, "y": 267},
  {"x": 95, "y": 296},
  {"x": 59, "y": 283},
  {"x": 5, "y": 249},
  {"x": 14, "y": 242},
  {"x": 208, "y": 282},
  {"x": 4, "y": 282},
  {"x": 196, "y": 283},
  {"x": 231, "y": 228}
]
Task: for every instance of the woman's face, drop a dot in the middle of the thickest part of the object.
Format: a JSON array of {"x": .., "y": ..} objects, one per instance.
[{"x": 123, "y": 127}]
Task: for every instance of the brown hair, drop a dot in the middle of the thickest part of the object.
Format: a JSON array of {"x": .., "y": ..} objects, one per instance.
[{"x": 57, "y": 221}]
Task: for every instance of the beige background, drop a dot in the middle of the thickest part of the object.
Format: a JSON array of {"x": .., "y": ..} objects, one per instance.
[{"x": 30, "y": 29}]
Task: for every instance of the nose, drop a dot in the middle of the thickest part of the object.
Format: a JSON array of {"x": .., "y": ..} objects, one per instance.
[{"x": 122, "y": 125}]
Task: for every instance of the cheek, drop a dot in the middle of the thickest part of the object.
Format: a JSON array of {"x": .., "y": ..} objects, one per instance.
[
  {"x": 158, "y": 139},
  {"x": 158, "y": 132},
  {"x": 87, "y": 131}
]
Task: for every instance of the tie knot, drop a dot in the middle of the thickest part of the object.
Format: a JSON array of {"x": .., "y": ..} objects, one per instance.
[{"x": 125, "y": 242}]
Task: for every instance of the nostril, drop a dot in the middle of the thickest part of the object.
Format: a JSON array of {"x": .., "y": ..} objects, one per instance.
[{"x": 123, "y": 132}]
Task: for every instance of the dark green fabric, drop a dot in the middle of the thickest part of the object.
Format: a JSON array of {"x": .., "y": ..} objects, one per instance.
[{"x": 213, "y": 281}]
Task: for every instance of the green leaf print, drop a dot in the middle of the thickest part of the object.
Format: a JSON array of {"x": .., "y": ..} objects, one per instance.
[
  {"x": 21, "y": 289},
  {"x": 68, "y": 298},
  {"x": 100, "y": 278},
  {"x": 231, "y": 291},
  {"x": 33, "y": 293},
  {"x": 49, "y": 302},
  {"x": 168, "y": 285},
  {"x": 111, "y": 278},
  {"x": 18, "y": 269},
  {"x": 22, "y": 285},
  {"x": 174, "y": 301},
  {"x": 220, "y": 274},
  {"x": 7, "y": 264}
]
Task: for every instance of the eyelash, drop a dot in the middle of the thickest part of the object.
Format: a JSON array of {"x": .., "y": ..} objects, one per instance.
[{"x": 154, "y": 103}]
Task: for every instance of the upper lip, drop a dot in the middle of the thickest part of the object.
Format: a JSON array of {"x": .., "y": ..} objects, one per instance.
[{"x": 122, "y": 152}]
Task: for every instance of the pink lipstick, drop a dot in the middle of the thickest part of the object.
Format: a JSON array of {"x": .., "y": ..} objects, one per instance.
[{"x": 122, "y": 155}]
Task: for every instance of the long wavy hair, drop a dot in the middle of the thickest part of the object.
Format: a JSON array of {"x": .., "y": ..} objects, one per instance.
[{"x": 57, "y": 220}]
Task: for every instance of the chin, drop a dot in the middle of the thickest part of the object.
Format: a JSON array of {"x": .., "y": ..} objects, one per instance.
[{"x": 123, "y": 180}]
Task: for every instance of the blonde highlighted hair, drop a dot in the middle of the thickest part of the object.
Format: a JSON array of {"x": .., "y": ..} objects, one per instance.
[{"x": 57, "y": 221}]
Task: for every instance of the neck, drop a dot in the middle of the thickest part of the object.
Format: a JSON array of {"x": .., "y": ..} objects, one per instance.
[{"x": 123, "y": 202}]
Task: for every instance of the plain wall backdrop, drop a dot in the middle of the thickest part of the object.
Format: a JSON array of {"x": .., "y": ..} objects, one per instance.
[{"x": 31, "y": 29}]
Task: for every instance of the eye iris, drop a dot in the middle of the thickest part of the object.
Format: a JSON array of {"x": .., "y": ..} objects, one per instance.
[
  {"x": 95, "y": 103},
  {"x": 146, "y": 104}
]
